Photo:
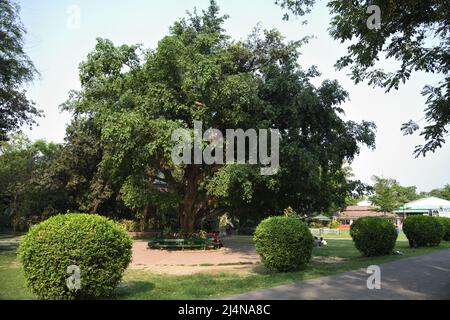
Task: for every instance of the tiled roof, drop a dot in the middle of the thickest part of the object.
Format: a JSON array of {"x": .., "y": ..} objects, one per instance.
[{"x": 355, "y": 212}]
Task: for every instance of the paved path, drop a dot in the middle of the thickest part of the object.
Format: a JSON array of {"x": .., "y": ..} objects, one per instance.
[{"x": 422, "y": 277}]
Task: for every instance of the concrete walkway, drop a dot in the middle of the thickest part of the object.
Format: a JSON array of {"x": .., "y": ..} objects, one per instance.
[{"x": 422, "y": 277}]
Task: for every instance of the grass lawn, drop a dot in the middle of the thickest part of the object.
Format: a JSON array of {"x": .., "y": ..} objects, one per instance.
[
  {"x": 345, "y": 234},
  {"x": 339, "y": 256}
]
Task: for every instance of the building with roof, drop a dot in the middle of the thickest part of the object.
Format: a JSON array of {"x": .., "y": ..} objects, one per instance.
[
  {"x": 429, "y": 206},
  {"x": 353, "y": 213}
]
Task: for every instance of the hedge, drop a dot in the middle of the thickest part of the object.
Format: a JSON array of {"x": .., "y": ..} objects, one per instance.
[
  {"x": 94, "y": 244},
  {"x": 423, "y": 231},
  {"x": 283, "y": 243},
  {"x": 374, "y": 236},
  {"x": 446, "y": 224}
]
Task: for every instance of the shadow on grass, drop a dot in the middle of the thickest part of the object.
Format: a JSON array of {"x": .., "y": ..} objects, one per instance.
[
  {"x": 10, "y": 235},
  {"x": 8, "y": 247},
  {"x": 9, "y": 242},
  {"x": 134, "y": 287}
]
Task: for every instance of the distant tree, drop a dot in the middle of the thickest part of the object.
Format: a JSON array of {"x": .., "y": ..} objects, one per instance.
[
  {"x": 358, "y": 191},
  {"x": 385, "y": 197},
  {"x": 21, "y": 192},
  {"x": 40, "y": 179},
  {"x": 16, "y": 69},
  {"x": 406, "y": 194},
  {"x": 389, "y": 194},
  {"x": 353, "y": 200},
  {"x": 415, "y": 33},
  {"x": 443, "y": 193},
  {"x": 76, "y": 173}
]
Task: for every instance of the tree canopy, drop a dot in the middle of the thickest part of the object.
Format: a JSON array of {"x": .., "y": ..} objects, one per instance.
[
  {"x": 22, "y": 193},
  {"x": 16, "y": 69},
  {"x": 136, "y": 98},
  {"x": 389, "y": 195},
  {"x": 443, "y": 193},
  {"x": 414, "y": 33}
]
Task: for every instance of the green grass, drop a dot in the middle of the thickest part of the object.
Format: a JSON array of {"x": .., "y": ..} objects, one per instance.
[
  {"x": 12, "y": 282},
  {"x": 345, "y": 234},
  {"x": 145, "y": 285}
]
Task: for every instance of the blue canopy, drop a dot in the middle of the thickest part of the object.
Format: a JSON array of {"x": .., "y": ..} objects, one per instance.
[{"x": 425, "y": 205}]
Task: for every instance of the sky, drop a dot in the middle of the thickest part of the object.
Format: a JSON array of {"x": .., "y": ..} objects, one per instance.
[{"x": 57, "y": 42}]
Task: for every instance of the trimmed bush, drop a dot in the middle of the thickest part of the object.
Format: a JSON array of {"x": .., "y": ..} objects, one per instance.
[
  {"x": 446, "y": 224},
  {"x": 374, "y": 236},
  {"x": 423, "y": 231},
  {"x": 284, "y": 243},
  {"x": 95, "y": 244}
]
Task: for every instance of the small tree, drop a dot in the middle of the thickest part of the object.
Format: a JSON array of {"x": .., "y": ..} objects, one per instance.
[{"x": 389, "y": 194}]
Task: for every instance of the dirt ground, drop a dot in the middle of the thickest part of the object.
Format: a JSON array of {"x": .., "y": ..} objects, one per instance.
[{"x": 238, "y": 253}]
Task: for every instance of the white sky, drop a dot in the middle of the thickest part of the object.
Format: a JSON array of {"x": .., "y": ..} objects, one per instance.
[{"x": 57, "y": 50}]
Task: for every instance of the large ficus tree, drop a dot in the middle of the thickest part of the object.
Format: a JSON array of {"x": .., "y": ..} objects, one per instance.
[
  {"x": 197, "y": 73},
  {"x": 414, "y": 33},
  {"x": 16, "y": 69}
]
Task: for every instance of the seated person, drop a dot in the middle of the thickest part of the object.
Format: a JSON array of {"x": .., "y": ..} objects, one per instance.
[
  {"x": 323, "y": 242},
  {"x": 317, "y": 242}
]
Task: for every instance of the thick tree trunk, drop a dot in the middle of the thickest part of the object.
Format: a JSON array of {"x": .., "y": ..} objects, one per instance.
[
  {"x": 187, "y": 224},
  {"x": 149, "y": 210},
  {"x": 193, "y": 206},
  {"x": 187, "y": 207}
]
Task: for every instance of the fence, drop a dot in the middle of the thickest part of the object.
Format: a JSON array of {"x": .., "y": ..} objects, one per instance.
[{"x": 325, "y": 231}]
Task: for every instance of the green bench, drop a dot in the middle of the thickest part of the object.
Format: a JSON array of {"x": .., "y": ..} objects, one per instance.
[{"x": 182, "y": 244}]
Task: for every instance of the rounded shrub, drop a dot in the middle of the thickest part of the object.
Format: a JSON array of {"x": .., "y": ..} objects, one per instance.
[
  {"x": 374, "y": 236},
  {"x": 446, "y": 224},
  {"x": 284, "y": 243},
  {"x": 55, "y": 250},
  {"x": 423, "y": 231}
]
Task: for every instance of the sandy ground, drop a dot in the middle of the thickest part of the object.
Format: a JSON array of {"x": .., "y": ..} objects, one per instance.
[{"x": 238, "y": 254}]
